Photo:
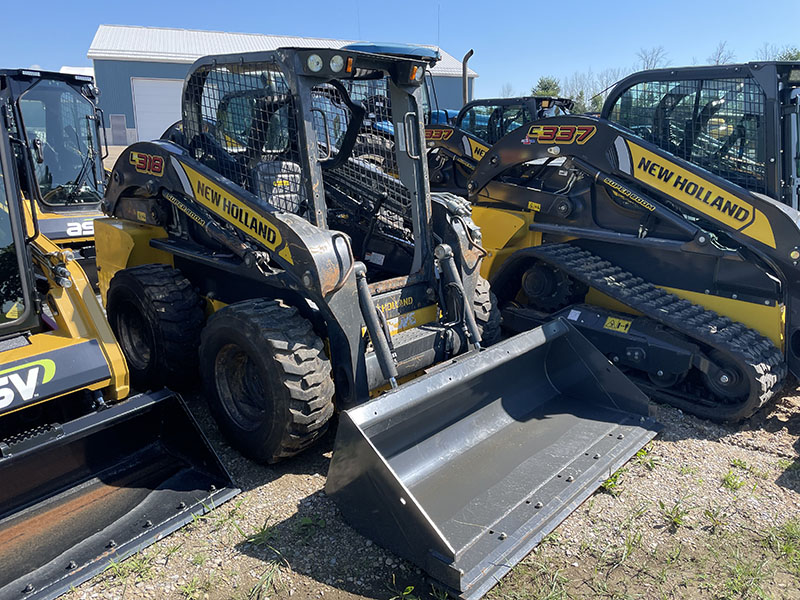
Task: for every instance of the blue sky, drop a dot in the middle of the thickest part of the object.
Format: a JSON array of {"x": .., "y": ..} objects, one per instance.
[{"x": 514, "y": 42}]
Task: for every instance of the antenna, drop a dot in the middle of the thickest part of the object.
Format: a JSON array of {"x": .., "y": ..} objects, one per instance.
[{"x": 438, "y": 22}]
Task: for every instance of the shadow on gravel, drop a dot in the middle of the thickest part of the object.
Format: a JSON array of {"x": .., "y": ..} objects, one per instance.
[
  {"x": 774, "y": 429},
  {"x": 315, "y": 541}
]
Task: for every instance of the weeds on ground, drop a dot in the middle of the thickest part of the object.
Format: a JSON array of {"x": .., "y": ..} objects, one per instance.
[
  {"x": 646, "y": 458},
  {"x": 192, "y": 589},
  {"x": 308, "y": 526},
  {"x": 264, "y": 536},
  {"x": 717, "y": 518},
  {"x": 732, "y": 481},
  {"x": 406, "y": 593},
  {"x": 267, "y": 582},
  {"x": 785, "y": 542},
  {"x": 613, "y": 485},
  {"x": 675, "y": 514},
  {"x": 786, "y": 464},
  {"x": 138, "y": 565},
  {"x": 534, "y": 580},
  {"x": 744, "y": 578}
]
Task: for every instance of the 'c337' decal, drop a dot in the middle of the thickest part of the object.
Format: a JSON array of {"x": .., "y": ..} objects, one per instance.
[
  {"x": 237, "y": 213},
  {"x": 560, "y": 134},
  {"x": 701, "y": 195},
  {"x": 438, "y": 134}
]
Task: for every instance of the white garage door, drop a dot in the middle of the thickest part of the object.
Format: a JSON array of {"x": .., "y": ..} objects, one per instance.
[{"x": 156, "y": 105}]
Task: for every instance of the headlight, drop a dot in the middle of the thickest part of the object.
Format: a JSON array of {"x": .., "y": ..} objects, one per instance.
[
  {"x": 420, "y": 72},
  {"x": 314, "y": 63},
  {"x": 337, "y": 63}
]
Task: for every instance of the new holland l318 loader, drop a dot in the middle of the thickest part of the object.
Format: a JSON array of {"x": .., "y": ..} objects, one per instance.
[
  {"x": 313, "y": 280},
  {"x": 59, "y": 151},
  {"x": 90, "y": 473}
]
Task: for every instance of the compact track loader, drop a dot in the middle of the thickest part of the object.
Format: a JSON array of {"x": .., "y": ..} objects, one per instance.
[
  {"x": 59, "y": 154},
  {"x": 312, "y": 277},
  {"x": 89, "y": 474},
  {"x": 685, "y": 280}
]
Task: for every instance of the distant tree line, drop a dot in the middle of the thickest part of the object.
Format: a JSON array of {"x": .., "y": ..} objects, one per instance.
[{"x": 589, "y": 89}]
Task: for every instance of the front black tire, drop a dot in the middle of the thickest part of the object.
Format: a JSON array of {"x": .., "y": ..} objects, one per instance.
[
  {"x": 487, "y": 315},
  {"x": 156, "y": 316},
  {"x": 267, "y": 379}
]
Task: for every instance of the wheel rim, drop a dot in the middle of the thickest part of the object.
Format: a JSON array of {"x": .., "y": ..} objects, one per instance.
[
  {"x": 135, "y": 336},
  {"x": 728, "y": 383},
  {"x": 239, "y": 387}
]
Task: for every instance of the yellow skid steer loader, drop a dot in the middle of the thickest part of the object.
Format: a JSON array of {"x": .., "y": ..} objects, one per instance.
[{"x": 89, "y": 473}]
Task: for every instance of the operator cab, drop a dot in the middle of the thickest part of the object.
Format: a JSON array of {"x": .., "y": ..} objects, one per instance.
[
  {"x": 740, "y": 122},
  {"x": 247, "y": 125}
]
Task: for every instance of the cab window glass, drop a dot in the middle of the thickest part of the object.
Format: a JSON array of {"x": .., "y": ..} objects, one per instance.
[
  {"x": 12, "y": 304},
  {"x": 717, "y": 124},
  {"x": 61, "y": 128},
  {"x": 476, "y": 121}
]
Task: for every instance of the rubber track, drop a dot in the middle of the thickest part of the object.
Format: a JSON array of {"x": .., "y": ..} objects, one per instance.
[{"x": 756, "y": 355}]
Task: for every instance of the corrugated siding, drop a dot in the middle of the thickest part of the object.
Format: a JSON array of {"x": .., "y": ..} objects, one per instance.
[
  {"x": 153, "y": 44},
  {"x": 113, "y": 77}
]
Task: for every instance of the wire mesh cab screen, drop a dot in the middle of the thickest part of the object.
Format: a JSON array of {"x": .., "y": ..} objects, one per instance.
[
  {"x": 718, "y": 124},
  {"x": 248, "y": 128}
]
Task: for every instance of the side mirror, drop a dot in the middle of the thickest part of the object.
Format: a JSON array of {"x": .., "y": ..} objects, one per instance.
[{"x": 38, "y": 150}]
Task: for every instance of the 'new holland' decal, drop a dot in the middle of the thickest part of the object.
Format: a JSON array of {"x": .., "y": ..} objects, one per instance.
[
  {"x": 701, "y": 195},
  {"x": 236, "y": 212}
]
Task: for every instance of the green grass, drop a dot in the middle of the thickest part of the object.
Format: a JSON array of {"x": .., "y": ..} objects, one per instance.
[
  {"x": 675, "y": 515},
  {"x": 732, "y": 481},
  {"x": 266, "y": 582},
  {"x": 744, "y": 578},
  {"x": 192, "y": 589},
  {"x": 407, "y": 593},
  {"x": 307, "y": 527},
  {"x": 613, "y": 485},
  {"x": 717, "y": 518},
  {"x": 264, "y": 536},
  {"x": 785, "y": 542},
  {"x": 645, "y": 458}
]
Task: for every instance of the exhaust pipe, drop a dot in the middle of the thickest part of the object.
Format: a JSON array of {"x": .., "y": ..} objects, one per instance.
[{"x": 464, "y": 78}]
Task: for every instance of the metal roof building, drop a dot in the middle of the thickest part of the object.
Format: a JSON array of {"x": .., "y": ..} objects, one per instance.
[{"x": 140, "y": 71}]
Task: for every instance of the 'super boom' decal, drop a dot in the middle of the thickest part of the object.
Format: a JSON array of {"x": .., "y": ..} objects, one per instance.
[
  {"x": 151, "y": 164},
  {"x": 561, "y": 134}
]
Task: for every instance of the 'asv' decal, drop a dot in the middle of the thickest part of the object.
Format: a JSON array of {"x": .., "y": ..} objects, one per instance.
[
  {"x": 80, "y": 228},
  {"x": 19, "y": 383}
]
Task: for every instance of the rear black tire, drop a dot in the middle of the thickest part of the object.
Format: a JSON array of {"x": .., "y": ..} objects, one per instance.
[
  {"x": 267, "y": 379},
  {"x": 487, "y": 315},
  {"x": 156, "y": 316}
]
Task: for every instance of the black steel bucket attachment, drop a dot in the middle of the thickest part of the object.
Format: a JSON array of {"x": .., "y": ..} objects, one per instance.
[
  {"x": 100, "y": 488},
  {"x": 464, "y": 470}
]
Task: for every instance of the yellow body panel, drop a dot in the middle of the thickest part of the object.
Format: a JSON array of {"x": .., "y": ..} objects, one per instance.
[
  {"x": 122, "y": 244},
  {"x": 503, "y": 232},
  {"x": 79, "y": 317}
]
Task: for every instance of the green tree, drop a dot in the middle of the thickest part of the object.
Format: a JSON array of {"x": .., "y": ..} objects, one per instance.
[{"x": 547, "y": 86}]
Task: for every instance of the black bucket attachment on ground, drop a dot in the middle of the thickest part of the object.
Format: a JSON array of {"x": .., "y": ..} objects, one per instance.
[
  {"x": 464, "y": 470},
  {"x": 99, "y": 488}
]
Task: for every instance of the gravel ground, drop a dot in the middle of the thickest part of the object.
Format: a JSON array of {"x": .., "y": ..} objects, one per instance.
[{"x": 705, "y": 511}]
